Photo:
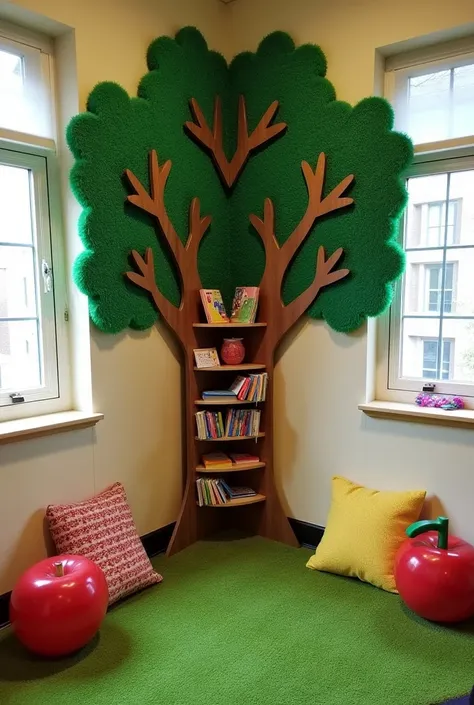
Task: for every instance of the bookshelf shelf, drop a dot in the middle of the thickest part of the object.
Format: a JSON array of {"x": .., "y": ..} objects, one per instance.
[
  {"x": 229, "y": 438},
  {"x": 234, "y": 468},
  {"x": 254, "y": 499},
  {"x": 223, "y": 326},
  {"x": 224, "y": 402},
  {"x": 232, "y": 368}
]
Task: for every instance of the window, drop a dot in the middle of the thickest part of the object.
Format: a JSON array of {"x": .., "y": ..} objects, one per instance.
[
  {"x": 430, "y": 331},
  {"x": 32, "y": 301}
]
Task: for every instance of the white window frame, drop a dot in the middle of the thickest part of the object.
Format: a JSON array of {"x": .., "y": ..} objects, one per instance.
[
  {"x": 430, "y": 158},
  {"x": 38, "y": 154}
]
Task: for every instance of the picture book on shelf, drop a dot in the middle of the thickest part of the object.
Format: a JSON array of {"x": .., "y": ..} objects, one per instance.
[
  {"x": 213, "y": 306},
  {"x": 206, "y": 357},
  {"x": 244, "y": 305}
]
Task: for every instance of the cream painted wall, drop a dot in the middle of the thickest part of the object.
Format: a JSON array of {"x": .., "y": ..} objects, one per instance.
[
  {"x": 321, "y": 376},
  {"x": 135, "y": 376}
]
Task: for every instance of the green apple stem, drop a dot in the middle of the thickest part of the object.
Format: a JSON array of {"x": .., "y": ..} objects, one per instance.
[
  {"x": 440, "y": 525},
  {"x": 59, "y": 569}
]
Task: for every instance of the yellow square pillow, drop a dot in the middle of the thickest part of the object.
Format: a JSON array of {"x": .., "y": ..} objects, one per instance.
[{"x": 364, "y": 531}]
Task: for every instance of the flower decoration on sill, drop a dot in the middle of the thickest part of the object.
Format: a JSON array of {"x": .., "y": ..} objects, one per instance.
[{"x": 439, "y": 401}]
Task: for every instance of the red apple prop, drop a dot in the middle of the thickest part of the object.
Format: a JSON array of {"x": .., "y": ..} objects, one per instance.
[
  {"x": 434, "y": 573},
  {"x": 58, "y": 604}
]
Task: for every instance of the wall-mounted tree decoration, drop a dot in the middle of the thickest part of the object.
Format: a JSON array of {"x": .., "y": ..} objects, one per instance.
[{"x": 248, "y": 174}]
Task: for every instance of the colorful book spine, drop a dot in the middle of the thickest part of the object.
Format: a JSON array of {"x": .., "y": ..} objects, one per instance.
[
  {"x": 209, "y": 424},
  {"x": 241, "y": 422},
  {"x": 212, "y": 492}
]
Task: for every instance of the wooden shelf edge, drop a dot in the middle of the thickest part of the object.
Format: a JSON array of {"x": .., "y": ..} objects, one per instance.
[
  {"x": 234, "y": 468},
  {"x": 463, "y": 418},
  {"x": 230, "y": 438},
  {"x": 47, "y": 425},
  {"x": 232, "y": 368},
  {"x": 229, "y": 325},
  {"x": 242, "y": 501}
]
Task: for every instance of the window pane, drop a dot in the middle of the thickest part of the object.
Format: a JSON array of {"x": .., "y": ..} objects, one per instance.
[
  {"x": 415, "y": 358},
  {"x": 428, "y": 107},
  {"x": 461, "y": 190},
  {"x": 461, "y": 332},
  {"x": 11, "y": 89},
  {"x": 463, "y": 101},
  {"x": 19, "y": 355},
  {"x": 441, "y": 105},
  {"x": 17, "y": 283},
  {"x": 15, "y": 205},
  {"x": 426, "y": 196}
]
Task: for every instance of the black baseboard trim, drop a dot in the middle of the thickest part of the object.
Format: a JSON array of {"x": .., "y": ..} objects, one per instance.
[
  {"x": 157, "y": 541},
  {"x": 308, "y": 535},
  {"x": 4, "y": 605}
]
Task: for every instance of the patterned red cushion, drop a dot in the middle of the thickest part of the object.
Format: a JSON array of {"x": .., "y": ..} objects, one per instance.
[{"x": 102, "y": 529}]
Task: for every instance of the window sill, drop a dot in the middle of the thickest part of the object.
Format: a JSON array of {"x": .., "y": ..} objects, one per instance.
[
  {"x": 411, "y": 412},
  {"x": 47, "y": 425}
]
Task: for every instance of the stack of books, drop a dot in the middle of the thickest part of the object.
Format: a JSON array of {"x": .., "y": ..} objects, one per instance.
[
  {"x": 216, "y": 461},
  {"x": 238, "y": 423},
  {"x": 221, "y": 394},
  {"x": 212, "y": 492},
  {"x": 243, "y": 388},
  {"x": 251, "y": 387},
  {"x": 243, "y": 458},
  {"x": 209, "y": 424},
  {"x": 241, "y": 422},
  {"x": 222, "y": 461}
]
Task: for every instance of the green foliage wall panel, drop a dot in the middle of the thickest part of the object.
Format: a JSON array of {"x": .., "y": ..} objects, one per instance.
[{"x": 118, "y": 132}]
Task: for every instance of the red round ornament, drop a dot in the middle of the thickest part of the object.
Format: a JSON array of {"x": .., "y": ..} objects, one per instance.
[
  {"x": 58, "y": 604},
  {"x": 233, "y": 351},
  {"x": 434, "y": 572}
]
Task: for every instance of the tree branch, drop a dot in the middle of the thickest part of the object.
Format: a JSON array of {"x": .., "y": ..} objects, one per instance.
[
  {"x": 213, "y": 139},
  {"x": 317, "y": 205},
  {"x": 197, "y": 228},
  {"x": 266, "y": 227},
  {"x": 154, "y": 203},
  {"x": 146, "y": 280},
  {"x": 324, "y": 276}
]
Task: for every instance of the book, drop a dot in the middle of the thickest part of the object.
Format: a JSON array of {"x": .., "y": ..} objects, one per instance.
[
  {"x": 211, "y": 492},
  {"x": 244, "y": 305},
  {"x": 226, "y": 393},
  {"x": 240, "y": 422},
  {"x": 213, "y": 306},
  {"x": 206, "y": 357},
  {"x": 216, "y": 460},
  {"x": 209, "y": 424},
  {"x": 244, "y": 388},
  {"x": 243, "y": 458}
]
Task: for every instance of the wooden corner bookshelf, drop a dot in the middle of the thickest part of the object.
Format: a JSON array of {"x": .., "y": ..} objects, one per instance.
[{"x": 262, "y": 513}]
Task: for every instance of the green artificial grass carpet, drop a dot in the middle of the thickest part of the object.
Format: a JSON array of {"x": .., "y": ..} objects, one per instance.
[{"x": 245, "y": 622}]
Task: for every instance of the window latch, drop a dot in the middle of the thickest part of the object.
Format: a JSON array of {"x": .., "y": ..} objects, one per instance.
[
  {"x": 428, "y": 387},
  {"x": 47, "y": 273},
  {"x": 17, "y": 398}
]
